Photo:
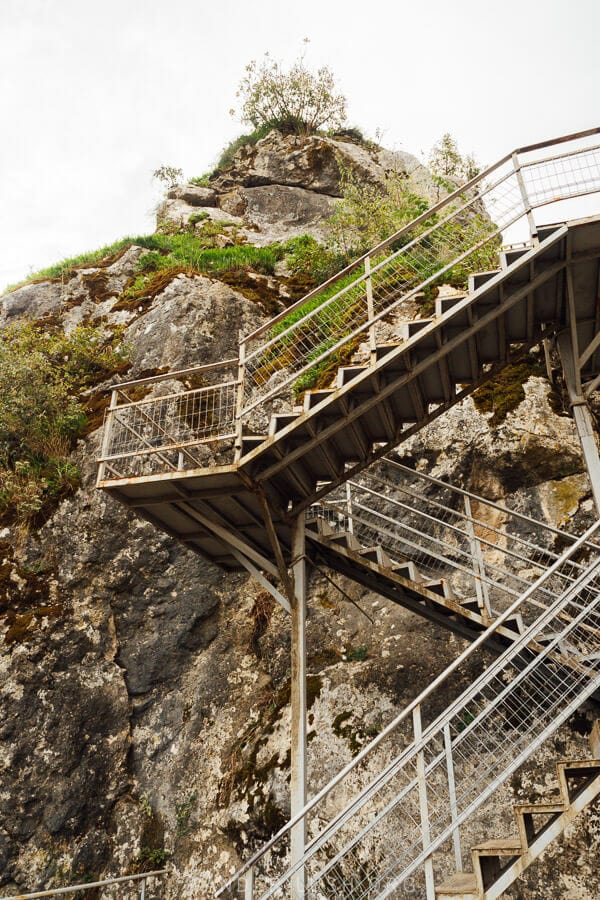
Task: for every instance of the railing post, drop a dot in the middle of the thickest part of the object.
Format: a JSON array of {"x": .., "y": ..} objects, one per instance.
[
  {"x": 525, "y": 196},
  {"x": 349, "y": 508},
  {"x": 452, "y": 792},
  {"x": 481, "y": 587},
  {"x": 107, "y": 435},
  {"x": 143, "y": 890},
  {"x": 423, "y": 805},
  {"x": 249, "y": 884},
  {"x": 239, "y": 403},
  {"x": 370, "y": 310}
]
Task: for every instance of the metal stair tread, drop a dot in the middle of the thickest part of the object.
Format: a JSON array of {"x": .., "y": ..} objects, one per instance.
[
  {"x": 541, "y": 808},
  {"x": 505, "y": 846},
  {"x": 459, "y": 883}
]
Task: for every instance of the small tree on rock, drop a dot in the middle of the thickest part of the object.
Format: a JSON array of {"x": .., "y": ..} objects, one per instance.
[
  {"x": 446, "y": 161},
  {"x": 297, "y": 101}
]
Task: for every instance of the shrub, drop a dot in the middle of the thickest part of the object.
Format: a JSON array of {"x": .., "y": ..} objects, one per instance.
[
  {"x": 368, "y": 213},
  {"x": 41, "y": 377},
  {"x": 297, "y": 101},
  {"x": 305, "y": 256},
  {"x": 446, "y": 161}
]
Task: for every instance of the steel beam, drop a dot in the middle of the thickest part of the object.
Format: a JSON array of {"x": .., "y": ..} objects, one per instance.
[
  {"x": 298, "y": 700},
  {"x": 581, "y": 412}
]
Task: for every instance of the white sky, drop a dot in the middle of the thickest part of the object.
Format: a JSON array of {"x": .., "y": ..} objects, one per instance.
[{"x": 96, "y": 94}]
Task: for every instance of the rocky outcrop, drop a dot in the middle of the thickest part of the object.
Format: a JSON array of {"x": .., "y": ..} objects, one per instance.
[{"x": 285, "y": 185}]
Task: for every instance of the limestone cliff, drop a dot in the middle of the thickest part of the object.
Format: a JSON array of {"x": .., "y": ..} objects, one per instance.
[{"x": 143, "y": 692}]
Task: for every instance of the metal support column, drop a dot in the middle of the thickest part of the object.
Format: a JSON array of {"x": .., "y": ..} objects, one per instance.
[
  {"x": 298, "y": 699},
  {"x": 581, "y": 412}
]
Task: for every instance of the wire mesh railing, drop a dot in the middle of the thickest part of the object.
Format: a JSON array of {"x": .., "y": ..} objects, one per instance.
[
  {"x": 173, "y": 431},
  {"x": 374, "y": 830},
  {"x": 303, "y": 346},
  {"x": 485, "y": 551}
]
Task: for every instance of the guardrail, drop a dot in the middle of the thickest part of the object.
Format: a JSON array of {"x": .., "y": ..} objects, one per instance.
[
  {"x": 325, "y": 328},
  {"x": 142, "y": 878},
  {"x": 486, "y": 551}
]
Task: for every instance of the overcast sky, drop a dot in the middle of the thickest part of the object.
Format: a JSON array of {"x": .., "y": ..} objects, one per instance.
[{"x": 95, "y": 95}]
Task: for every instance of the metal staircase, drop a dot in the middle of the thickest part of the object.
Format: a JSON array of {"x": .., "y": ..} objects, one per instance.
[
  {"x": 274, "y": 459},
  {"x": 448, "y": 555},
  {"x": 400, "y": 805}
]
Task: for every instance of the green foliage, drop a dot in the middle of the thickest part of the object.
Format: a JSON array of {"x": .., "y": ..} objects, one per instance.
[
  {"x": 168, "y": 175},
  {"x": 503, "y": 393},
  {"x": 297, "y": 101},
  {"x": 369, "y": 213},
  {"x": 183, "y": 811},
  {"x": 198, "y": 217},
  {"x": 356, "y": 654},
  {"x": 150, "y": 858},
  {"x": 201, "y": 180},
  {"x": 41, "y": 377},
  {"x": 305, "y": 256}
]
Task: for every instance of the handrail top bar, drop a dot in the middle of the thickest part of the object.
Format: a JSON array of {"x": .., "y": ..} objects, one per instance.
[
  {"x": 563, "y": 139},
  {"x": 168, "y": 376},
  {"x": 74, "y": 888},
  {"x": 413, "y": 704},
  {"x": 429, "y": 212}
]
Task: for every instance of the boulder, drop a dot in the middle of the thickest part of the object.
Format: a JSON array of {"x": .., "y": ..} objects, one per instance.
[{"x": 193, "y": 194}]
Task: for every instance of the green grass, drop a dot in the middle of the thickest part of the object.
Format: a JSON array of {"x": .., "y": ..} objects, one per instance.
[{"x": 175, "y": 250}]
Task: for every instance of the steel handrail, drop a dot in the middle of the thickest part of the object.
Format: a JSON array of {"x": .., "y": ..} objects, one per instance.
[{"x": 76, "y": 888}]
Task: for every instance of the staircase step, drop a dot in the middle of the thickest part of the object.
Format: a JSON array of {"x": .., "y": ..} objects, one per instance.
[
  {"x": 439, "y": 586},
  {"x": 511, "y": 255},
  {"x": 279, "y": 421},
  {"x": 505, "y": 846},
  {"x": 349, "y": 373},
  {"x": 377, "y": 555},
  {"x": 574, "y": 775},
  {"x": 251, "y": 442},
  {"x": 515, "y": 623},
  {"x": 527, "y": 819},
  {"x": 445, "y": 304},
  {"x": 344, "y": 539},
  {"x": 490, "y": 858},
  {"x": 472, "y": 605},
  {"x": 408, "y": 570},
  {"x": 409, "y": 329},
  {"x": 382, "y": 350},
  {"x": 461, "y": 886},
  {"x": 477, "y": 279},
  {"x": 313, "y": 398},
  {"x": 320, "y": 525}
]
